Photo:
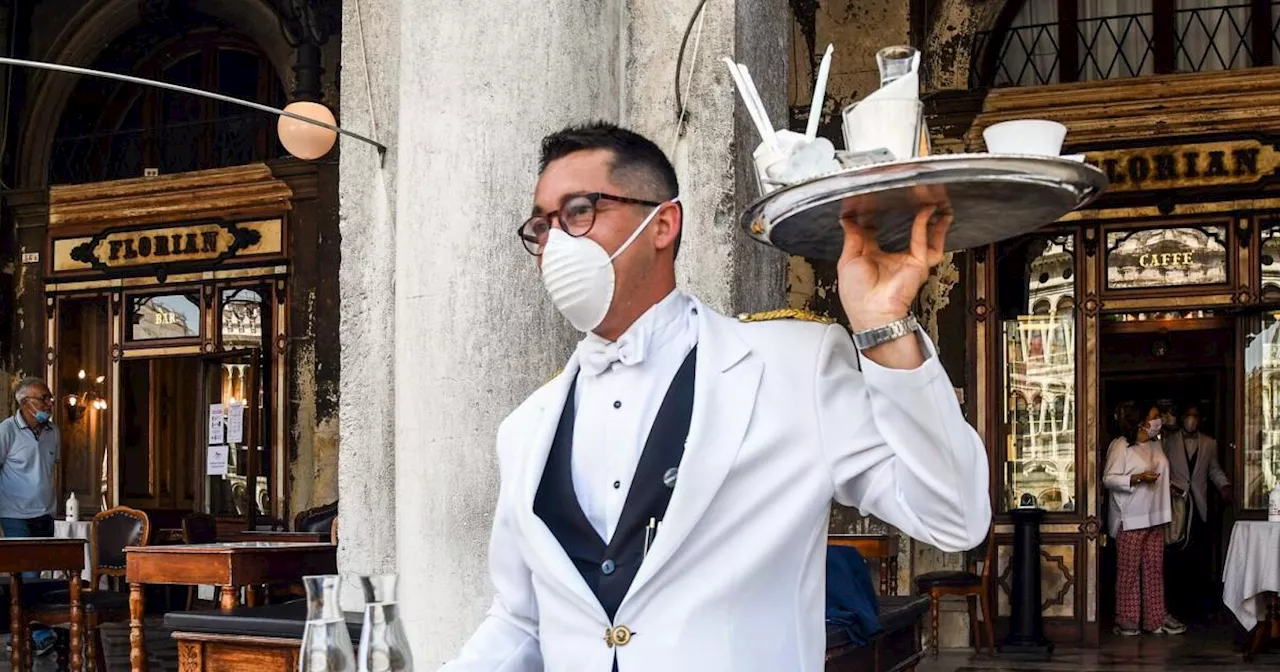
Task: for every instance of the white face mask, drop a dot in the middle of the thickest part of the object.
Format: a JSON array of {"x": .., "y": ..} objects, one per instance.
[{"x": 578, "y": 274}]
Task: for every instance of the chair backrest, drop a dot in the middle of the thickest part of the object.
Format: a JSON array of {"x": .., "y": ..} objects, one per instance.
[
  {"x": 199, "y": 528},
  {"x": 112, "y": 531},
  {"x": 319, "y": 519},
  {"x": 986, "y": 552}
]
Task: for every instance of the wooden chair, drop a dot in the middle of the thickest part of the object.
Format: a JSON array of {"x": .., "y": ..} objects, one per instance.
[
  {"x": 198, "y": 528},
  {"x": 975, "y": 588},
  {"x": 110, "y": 533}
]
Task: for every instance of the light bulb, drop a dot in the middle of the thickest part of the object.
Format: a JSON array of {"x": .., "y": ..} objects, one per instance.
[
  {"x": 303, "y": 140},
  {"x": 81, "y": 374},
  {"x": 72, "y": 400},
  {"x": 101, "y": 378}
]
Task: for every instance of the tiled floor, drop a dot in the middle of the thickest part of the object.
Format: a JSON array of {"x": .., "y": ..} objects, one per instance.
[{"x": 1198, "y": 650}]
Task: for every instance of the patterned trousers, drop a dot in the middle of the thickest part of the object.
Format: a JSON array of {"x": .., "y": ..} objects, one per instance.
[{"x": 1140, "y": 555}]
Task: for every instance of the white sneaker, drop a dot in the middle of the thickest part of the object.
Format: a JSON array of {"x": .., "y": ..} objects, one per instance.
[{"x": 1171, "y": 626}]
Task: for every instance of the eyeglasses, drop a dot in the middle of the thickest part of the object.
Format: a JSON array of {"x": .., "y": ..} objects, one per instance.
[
  {"x": 48, "y": 398},
  {"x": 577, "y": 214}
]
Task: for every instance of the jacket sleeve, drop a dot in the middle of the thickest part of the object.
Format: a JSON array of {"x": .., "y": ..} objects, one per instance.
[
  {"x": 898, "y": 446},
  {"x": 1216, "y": 474},
  {"x": 1115, "y": 476},
  {"x": 507, "y": 639}
]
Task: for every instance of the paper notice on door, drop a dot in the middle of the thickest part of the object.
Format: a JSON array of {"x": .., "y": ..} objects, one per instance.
[
  {"x": 215, "y": 425},
  {"x": 217, "y": 463},
  {"x": 235, "y": 423}
]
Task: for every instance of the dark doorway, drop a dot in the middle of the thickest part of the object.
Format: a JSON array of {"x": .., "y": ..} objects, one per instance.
[{"x": 1152, "y": 365}]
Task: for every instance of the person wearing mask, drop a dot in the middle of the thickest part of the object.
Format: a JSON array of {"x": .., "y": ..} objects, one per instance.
[
  {"x": 664, "y": 501},
  {"x": 30, "y": 447},
  {"x": 1137, "y": 480},
  {"x": 1193, "y": 463}
]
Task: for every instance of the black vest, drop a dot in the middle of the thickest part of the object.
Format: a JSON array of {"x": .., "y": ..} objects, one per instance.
[{"x": 610, "y": 568}]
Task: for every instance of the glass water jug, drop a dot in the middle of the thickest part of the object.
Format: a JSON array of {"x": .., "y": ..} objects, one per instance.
[
  {"x": 383, "y": 645},
  {"x": 326, "y": 642}
]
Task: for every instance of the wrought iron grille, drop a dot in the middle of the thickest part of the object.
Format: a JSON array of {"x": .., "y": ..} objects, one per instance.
[
  {"x": 1129, "y": 45},
  {"x": 172, "y": 148}
]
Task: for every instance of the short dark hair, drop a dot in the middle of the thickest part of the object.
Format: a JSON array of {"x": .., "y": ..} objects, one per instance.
[
  {"x": 637, "y": 160},
  {"x": 1131, "y": 420}
]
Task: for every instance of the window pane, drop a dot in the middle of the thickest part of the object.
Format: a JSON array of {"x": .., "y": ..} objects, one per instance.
[
  {"x": 1037, "y": 301},
  {"x": 164, "y": 316},
  {"x": 1167, "y": 257},
  {"x": 1270, "y": 257},
  {"x": 241, "y": 319},
  {"x": 1262, "y": 425}
]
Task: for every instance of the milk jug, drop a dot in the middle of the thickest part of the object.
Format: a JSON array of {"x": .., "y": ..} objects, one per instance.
[
  {"x": 73, "y": 508},
  {"x": 1273, "y": 504}
]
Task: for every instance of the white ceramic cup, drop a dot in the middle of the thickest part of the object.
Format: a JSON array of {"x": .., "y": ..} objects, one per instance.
[
  {"x": 1025, "y": 136},
  {"x": 769, "y": 162}
]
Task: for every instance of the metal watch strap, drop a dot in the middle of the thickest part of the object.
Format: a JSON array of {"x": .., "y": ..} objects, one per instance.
[{"x": 870, "y": 338}]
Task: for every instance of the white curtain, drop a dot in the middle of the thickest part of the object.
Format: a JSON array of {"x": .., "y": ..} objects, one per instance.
[
  {"x": 1033, "y": 47},
  {"x": 1113, "y": 42},
  {"x": 1211, "y": 35}
]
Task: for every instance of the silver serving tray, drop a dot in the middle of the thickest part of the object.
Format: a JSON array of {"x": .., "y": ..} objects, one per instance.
[{"x": 992, "y": 197}]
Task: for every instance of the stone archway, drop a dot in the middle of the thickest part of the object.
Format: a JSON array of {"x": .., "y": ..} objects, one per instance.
[
  {"x": 98, "y": 23},
  {"x": 949, "y": 40}
]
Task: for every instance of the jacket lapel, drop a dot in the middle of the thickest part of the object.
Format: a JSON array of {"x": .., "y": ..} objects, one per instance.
[
  {"x": 723, "y": 399},
  {"x": 547, "y": 550}
]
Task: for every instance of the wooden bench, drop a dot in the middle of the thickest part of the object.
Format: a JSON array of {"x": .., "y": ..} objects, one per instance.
[
  {"x": 247, "y": 639},
  {"x": 898, "y": 645}
]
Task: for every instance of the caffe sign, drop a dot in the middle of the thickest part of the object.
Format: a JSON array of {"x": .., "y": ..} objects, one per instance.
[
  {"x": 161, "y": 249},
  {"x": 1207, "y": 164}
]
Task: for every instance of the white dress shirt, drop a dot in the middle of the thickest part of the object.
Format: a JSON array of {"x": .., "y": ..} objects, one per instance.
[{"x": 616, "y": 406}]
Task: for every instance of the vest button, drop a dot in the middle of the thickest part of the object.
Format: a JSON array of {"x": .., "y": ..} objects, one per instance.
[
  {"x": 619, "y": 636},
  {"x": 607, "y": 567}
]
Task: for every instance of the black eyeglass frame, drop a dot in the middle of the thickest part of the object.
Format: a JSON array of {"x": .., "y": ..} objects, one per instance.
[{"x": 594, "y": 197}]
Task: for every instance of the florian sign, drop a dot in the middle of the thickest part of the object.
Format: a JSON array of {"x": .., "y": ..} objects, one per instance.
[
  {"x": 1209, "y": 164},
  {"x": 162, "y": 249}
]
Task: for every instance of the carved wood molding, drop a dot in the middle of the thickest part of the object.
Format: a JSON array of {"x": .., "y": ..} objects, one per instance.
[
  {"x": 222, "y": 193},
  {"x": 1146, "y": 107}
]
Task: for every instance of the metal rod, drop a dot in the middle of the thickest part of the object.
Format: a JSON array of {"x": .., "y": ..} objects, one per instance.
[{"x": 41, "y": 65}]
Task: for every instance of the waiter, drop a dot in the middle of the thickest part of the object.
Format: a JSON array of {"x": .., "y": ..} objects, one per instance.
[
  {"x": 664, "y": 500},
  {"x": 1193, "y": 466}
]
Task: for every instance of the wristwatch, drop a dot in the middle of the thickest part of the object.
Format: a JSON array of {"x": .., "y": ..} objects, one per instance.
[{"x": 870, "y": 338}]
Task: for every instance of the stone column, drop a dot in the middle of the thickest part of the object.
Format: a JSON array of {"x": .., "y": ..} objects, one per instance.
[{"x": 445, "y": 324}]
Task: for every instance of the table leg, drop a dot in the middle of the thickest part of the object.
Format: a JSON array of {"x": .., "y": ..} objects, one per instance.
[
  {"x": 251, "y": 595},
  {"x": 137, "y": 641},
  {"x": 77, "y": 616},
  {"x": 15, "y": 621},
  {"x": 230, "y": 599}
]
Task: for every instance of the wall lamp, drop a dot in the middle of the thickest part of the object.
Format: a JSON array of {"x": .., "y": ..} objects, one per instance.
[{"x": 88, "y": 397}]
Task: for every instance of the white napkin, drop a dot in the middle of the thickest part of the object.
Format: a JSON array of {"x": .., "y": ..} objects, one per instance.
[{"x": 892, "y": 122}]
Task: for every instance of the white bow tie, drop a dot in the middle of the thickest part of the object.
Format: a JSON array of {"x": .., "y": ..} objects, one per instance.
[{"x": 595, "y": 356}]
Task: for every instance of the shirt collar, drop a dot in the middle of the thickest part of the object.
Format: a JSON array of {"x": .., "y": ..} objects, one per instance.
[{"x": 650, "y": 331}]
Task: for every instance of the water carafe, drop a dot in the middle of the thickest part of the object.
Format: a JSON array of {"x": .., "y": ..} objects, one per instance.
[
  {"x": 326, "y": 642},
  {"x": 383, "y": 645}
]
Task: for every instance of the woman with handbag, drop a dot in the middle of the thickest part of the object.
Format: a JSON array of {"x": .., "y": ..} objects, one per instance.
[{"x": 1137, "y": 479}]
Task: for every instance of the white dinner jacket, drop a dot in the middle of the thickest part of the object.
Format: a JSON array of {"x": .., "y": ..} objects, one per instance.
[
  {"x": 1207, "y": 469},
  {"x": 783, "y": 421}
]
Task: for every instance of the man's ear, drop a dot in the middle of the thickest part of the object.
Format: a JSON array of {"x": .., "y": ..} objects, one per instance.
[{"x": 666, "y": 225}]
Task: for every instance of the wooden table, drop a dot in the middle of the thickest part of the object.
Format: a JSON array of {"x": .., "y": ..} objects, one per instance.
[
  {"x": 34, "y": 555},
  {"x": 1251, "y": 579},
  {"x": 229, "y": 565},
  {"x": 284, "y": 537},
  {"x": 883, "y": 547}
]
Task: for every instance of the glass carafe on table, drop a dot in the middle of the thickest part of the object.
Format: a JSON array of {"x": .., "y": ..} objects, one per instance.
[
  {"x": 383, "y": 645},
  {"x": 326, "y": 642}
]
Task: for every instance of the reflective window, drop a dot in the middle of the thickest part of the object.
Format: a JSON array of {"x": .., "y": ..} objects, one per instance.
[
  {"x": 1036, "y": 291},
  {"x": 1262, "y": 411},
  {"x": 241, "y": 320},
  {"x": 164, "y": 316},
  {"x": 1189, "y": 255}
]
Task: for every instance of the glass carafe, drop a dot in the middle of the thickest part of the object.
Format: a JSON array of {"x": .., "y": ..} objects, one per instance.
[
  {"x": 326, "y": 642},
  {"x": 383, "y": 645},
  {"x": 894, "y": 62}
]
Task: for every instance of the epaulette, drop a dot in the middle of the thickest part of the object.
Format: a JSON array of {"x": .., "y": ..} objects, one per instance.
[
  {"x": 785, "y": 314},
  {"x": 553, "y": 376}
]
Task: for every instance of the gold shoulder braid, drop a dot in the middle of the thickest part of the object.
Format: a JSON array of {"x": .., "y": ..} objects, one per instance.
[
  {"x": 785, "y": 314},
  {"x": 553, "y": 376}
]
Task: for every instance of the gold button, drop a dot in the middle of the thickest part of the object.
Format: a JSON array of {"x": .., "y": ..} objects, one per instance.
[{"x": 618, "y": 636}]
